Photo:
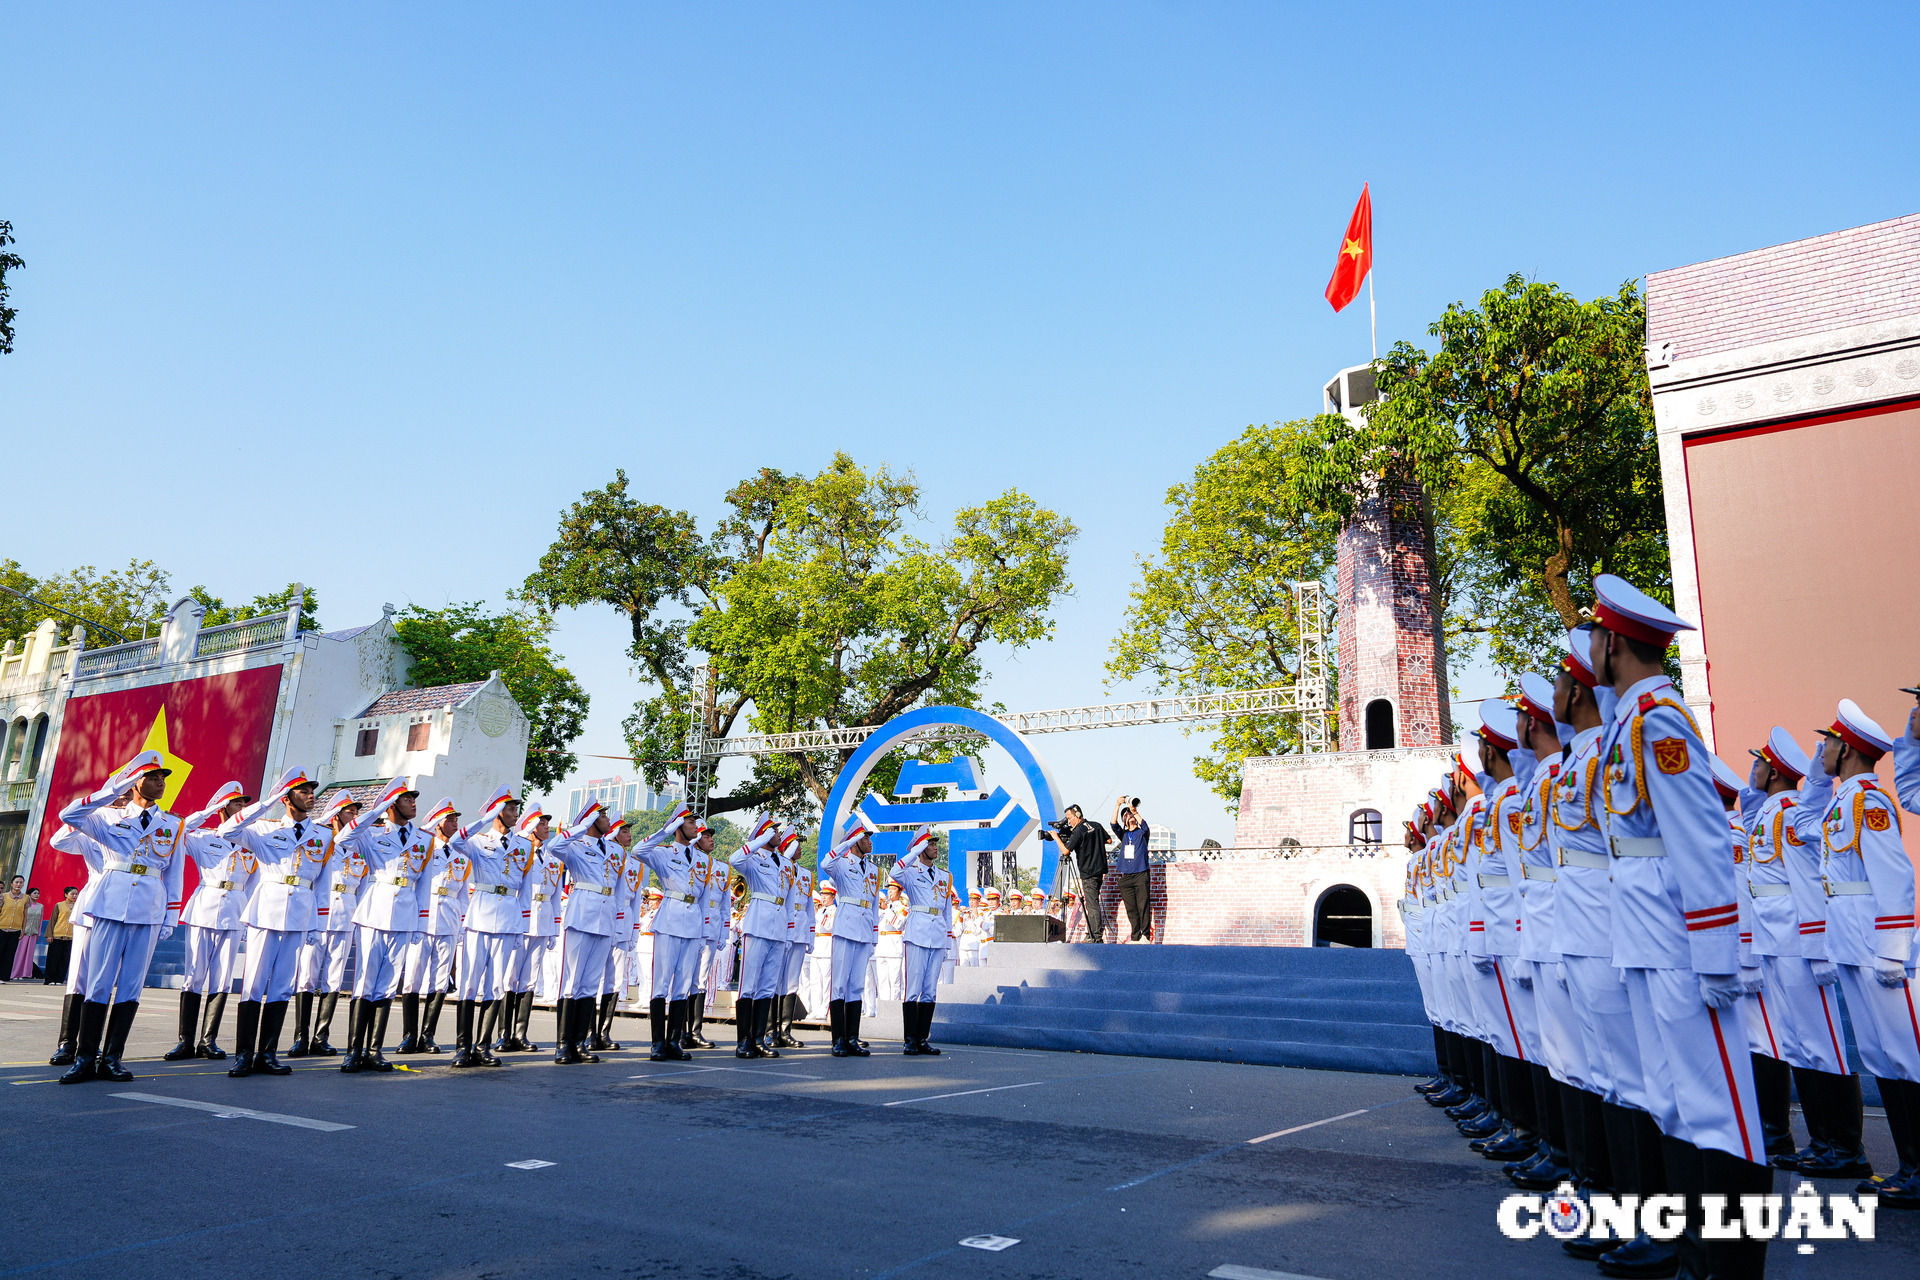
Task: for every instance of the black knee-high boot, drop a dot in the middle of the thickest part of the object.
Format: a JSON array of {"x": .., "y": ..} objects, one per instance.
[
  {"x": 562, "y": 1010},
  {"x": 1813, "y": 1110},
  {"x": 272, "y": 1016},
  {"x": 1618, "y": 1131},
  {"x": 1900, "y": 1190},
  {"x": 119, "y": 1023},
  {"x": 321, "y": 1046},
  {"x": 302, "y": 1024},
  {"x": 1845, "y": 1117},
  {"x": 696, "y": 1037},
  {"x": 485, "y": 1018},
  {"x": 1643, "y": 1253},
  {"x": 375, "y": 1058},
  {"x": 209, "y": 1045},
  {"x": 836, "y": 1025},
  {"x": 63, "y": 1052},
  {"x": 189, "y": 1027},
  {"x": 246, "y": 1033},
  {"x": 926, "y": 1028},
  {"x": 409, "y": 1023},
  {"x": 356, "y": 1035},
  {"x": 676, "y": 1030},
  {"x": 523, "y": 1025},
  {"x": 1593, "y": 1128},
  {"x": 463, "y": 1056},
  {"x": 582, "y": 1024},
  {"x": 1773, "y": 1095},
  {"x": 763, "y": 1025},
  {"x": 1686, "y": 1176},
  {"x": 434, "y": 1003},
  {"x": 856, "y": 1047}
]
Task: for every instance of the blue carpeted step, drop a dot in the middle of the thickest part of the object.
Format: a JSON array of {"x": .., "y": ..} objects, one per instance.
[
  {"x": 1206, "y": 1048},
  {"x": 1188, "y": 1002},
  {"x": 1196, "y": 1026}
]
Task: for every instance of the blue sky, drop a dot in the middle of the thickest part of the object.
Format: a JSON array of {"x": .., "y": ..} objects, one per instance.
[{"x": 367, "y": 294}]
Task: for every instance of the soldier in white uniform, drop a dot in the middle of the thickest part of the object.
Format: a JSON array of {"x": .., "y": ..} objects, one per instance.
[
  {"x": 682, "y": 871},
  {"x": 819, "y": 989},
  {"x": 763, "y": 940},
  {"x": 799, "y": 896},
  {"x": 134, "y": 905},
  {"x": 1493, "y": 939},
  {"x": 94, "y": 855},
  {"x": 388, "y": 915},
  {"x": 495, "y": 878},
  {"x": 890, "y": 950},
  {"x": 595, "y": 870},
  {"x": 540, "y": 928},
  {"x": 1676, "y": 923},
  {"x": 716, "y": 906},
  {"x": 212, "y": 921},
  {"x": 928, "y": 890},
  {"x": 855, "y": 879},
  {"x": 430, "y": 953},
  {"x": 628, "y": 901},
  {"x": 1869, "y": 883},
  {"x": 281, "y": 915},
  {"x": 323, "y": 968}
]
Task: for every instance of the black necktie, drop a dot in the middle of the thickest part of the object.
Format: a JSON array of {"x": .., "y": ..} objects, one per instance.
[
  {"x": 146, "y": 817},
  {"x": 403, "y": 831},
  {"x": 299, "y": 832}
]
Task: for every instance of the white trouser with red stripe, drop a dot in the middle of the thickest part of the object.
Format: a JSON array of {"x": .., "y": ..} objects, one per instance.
[
  {"x": 1607, "y": 1030},
  {"x": 1766, "y": 1029},
  {"x": 1886, "y": 1023},
  {"x": 1698, "y": 1070},
  {"x": 1498, "y": 1025},
  {"x": 1522, "y": 1001},
  {"x": 1814, "y": 1038}
]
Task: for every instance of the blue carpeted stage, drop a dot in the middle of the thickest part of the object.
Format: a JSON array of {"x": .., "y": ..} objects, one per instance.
[{"x": 1338, "y": 1008}]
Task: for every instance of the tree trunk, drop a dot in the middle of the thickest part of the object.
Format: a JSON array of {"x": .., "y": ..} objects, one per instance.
[{"x": 1554, "y": 575}]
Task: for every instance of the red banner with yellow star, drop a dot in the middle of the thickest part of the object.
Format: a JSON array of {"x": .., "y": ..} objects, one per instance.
[
  {"x": 209, "y": 731},
  {"x": 1356, "y": 254}
]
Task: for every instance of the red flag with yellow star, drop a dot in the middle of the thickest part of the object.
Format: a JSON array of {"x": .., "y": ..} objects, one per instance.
[{"x": 1356, "y": 254}]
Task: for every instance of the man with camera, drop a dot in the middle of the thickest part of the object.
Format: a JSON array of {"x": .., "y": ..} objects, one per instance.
[
  {"x": 1087, "y": 844},
  {"x": 1131, "y": 868}
]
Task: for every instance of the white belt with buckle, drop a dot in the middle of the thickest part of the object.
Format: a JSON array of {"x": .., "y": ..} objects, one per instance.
[
  {"x": 686, "y": 897},
  {"x": 500, "y": 889},
  {"x": 1530, "y": 872},
  {"x": 340, "y": 888},
  {"x": 1848, "y": 888},
  {"x": 226, "y": 884},
  {"x": 1639, "y": 847},
  {"x": 1767, "y": 890},
  {"x": 1582, "y": 858},
  {"x": 539, "y": 897},
  {"x": 1411, "y": 906},
  {"x": 442, "y": 891},
  {"x": 605, "y": 891},
  {"x": 1494, "y": 882},
  {"x": 398, "y": 882},
  {"x": 131, "y": 868},
  {"x": 932, "y": 911},
  {"x": 864, "y": 903},
  {"x": 767, "y": 897},
  {"x": 299, "y": 881}
]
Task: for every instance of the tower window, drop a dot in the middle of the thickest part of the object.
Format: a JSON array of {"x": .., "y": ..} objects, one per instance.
[
  {"x": 1364, "y": 827},
  {"x": 1380, "y": 725}
]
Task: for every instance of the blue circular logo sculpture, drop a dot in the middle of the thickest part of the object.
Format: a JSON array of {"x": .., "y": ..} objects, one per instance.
[{"x": 1008, "y": 822}]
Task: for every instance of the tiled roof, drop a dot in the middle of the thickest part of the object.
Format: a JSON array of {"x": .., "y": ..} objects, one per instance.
[
  {"x": 348, "y": 634},
  {"x": 435, "y": 699},
  {"x": 1862, "y": 275},
  {"x": 364, "y": 793}
]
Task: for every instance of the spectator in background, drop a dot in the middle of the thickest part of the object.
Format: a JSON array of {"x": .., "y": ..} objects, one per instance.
[
  {"x": 1131, "y": 868},
  {"x": 60, "y": 939},
  {"x": 13, "y": 914},
  {"x": 29, "y": 940},
  {"x": 1086, "y": 842}
]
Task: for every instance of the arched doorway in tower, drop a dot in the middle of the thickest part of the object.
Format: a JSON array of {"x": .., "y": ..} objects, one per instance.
[{"x": 1343, "y": 918}]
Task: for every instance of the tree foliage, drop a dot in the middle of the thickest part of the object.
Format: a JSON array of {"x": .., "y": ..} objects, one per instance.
[
  {"x": 464, "y": 642},
  {"x": 220, "y": 612},
  {"x": 1534, "y": 419},
  {"x": 129, "y": 601},
  {"x": 814, "y": 605},
  {"x": 1215, "y": 609},
  {"x": 9, "y": 261}
]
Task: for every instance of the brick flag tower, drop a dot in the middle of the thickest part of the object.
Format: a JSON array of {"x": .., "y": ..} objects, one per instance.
[{"x": 1393, "y": 665}]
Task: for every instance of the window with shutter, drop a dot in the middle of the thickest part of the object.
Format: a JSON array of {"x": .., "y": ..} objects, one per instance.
[
  {"x": 365, "y": 741},
  {"x": 417, "y": 735}
]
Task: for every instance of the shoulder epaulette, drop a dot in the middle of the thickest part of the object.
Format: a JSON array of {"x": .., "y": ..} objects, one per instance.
[
  {"x": 1866, "y": 784},
  {"x": 1648, "y": 702},
  {"x": 1786, "y": 804}
]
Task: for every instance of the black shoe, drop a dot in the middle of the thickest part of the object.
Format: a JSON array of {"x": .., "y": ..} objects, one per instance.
[
  {"x": 1894, "y": 1193},
  {"x": 319, "y": 1049},
  {"x": 242, "y": 1064},
  {"x": 463, "y": 1058},
  {"x": 428, "y": 1045},
  {"x": 351, "y": 1063},
  {"x": 1540, "y": 1177},
  {"x": 298, "y": 1049},
  {"x": 1483, "y": 1126},
  {"x": 1834, "y": 1164},
  {"x": 668, "y": 1051},
  {"x": 1641, "y": 1258},
  {"x": 374, "y": 1060},
  {"x": 180, "y": 1052},
  {"x": 694, "y": 1040},
  {"x": 1473, "y": 1106},
  {"x": 1450, "y": 1097},
  {"x": 80, "y": 1072},
  {"x": 565, "y": 1055},
  {"x": 265, "y": 1061},
  {"x": 839, "y": 1049},
  {"x": 62, "y": 1055},
  {"x": 1792, "y": 1163},
  {"x": 209, "y": 1050},
  {"x": 1516, "y": 1147},
  {"x": 483, "y": 1054}
]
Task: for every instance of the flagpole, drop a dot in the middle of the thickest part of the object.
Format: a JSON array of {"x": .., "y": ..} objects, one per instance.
[{"x": 1373, "y": 320}]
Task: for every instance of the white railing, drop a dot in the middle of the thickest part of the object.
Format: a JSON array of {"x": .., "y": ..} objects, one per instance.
[
  {"x": 235, "y": 636},
  {"x": 116, "y": 658},
  {"x": 1277, "y": 853}
]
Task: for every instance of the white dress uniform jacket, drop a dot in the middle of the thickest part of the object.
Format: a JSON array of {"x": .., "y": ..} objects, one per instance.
[
  {"x": 144, "y": 867},
  {"x": 928, "y": 906},
  {"x": 766, "y": 878},
  {"x": 396, "y": 855},
  {"x": 293, "y": 855},
  {"x": 594, "y": 865},
  {"x": 496, "y": 880},
  {"x": 226, "y": 881},
  {"x": 681, "y": 872},
  {"x": 856, "y": 887}
]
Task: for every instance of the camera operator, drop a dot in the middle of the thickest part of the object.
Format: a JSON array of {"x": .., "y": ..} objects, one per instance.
[
  {"x": 1087, "y": 843},
  {"x": 1131, "y": 868}
]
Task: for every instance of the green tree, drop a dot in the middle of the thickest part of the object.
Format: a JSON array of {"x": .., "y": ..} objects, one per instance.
[
  {"x": 814, "y": 605},
  {"x": 1214, "y": 610},
  {"x": 1535, "y": 421},
  {"x": 131, "y": 601},
  {"x": 463, "y": 643},
  {"x": 8, "y": 262},
  {"x": 219, "y": 612}
]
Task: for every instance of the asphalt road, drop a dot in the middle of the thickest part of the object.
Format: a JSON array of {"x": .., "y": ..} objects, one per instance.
[{"x": 802, "y": 1167}]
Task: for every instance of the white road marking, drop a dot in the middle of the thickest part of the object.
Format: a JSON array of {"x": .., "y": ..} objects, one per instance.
[
  {"x": 1281, "y": 1133},
  {"x": 23, "y": 1017},
  {"x": 1229, "y": 1271},
  {"x": 529, "y": 1164},
  {"x": 992, "y": 1244},
  {"x": 234, "y": 1113},
  {"x": 750, "y": 1071},
  {"x": 967, "y": 1093}
]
